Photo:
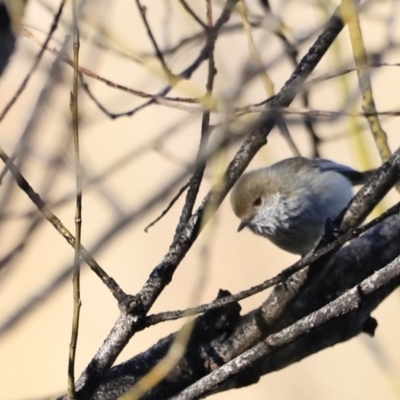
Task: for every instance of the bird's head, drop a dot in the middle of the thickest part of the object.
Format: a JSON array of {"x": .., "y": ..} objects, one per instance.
[{"x": 254, "y": 200}]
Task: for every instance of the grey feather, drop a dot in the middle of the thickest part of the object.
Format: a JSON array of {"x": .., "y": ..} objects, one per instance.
[{"x": 355, "y": 177}]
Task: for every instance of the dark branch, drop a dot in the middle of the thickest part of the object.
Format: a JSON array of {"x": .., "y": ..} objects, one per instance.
[{"x": 346, "y": 269}]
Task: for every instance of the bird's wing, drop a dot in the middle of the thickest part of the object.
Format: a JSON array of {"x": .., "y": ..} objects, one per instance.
[{"x": 355, "y": 177}]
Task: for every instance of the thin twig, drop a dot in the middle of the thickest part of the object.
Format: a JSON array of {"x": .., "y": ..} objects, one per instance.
[
  {"x": 64, "y": 58},
  {"x": 38, "y": 57},
  {"x": 193, "y": 14},
  {"x": 59, "y": 226},
  {"x": 312, "y": 112},
  {"x": 169, "y": 206},
  {"x": 171, "y": 78},
  {"x": 197, "y": 177},
  {"x": 23, "y": 145},
  {"x": 345, "y": 71},
  {"x": 350, "y": 13},
  {"x": 212, "y": 36},
  {"x": 74, "y": 105},
  {"x": 283, "y": 127},
  {"x": 292, "y": 53},
  {"x": 254, "y": 53}
]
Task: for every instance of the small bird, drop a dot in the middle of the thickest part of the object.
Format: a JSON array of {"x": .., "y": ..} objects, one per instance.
[{"x": 290, "y": 201}]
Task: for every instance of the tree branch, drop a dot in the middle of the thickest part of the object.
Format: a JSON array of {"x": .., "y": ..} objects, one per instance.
[{"x": 353, "y": 264}]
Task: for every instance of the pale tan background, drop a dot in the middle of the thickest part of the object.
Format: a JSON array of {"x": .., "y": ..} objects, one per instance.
[{"x": 34, "y": 354}]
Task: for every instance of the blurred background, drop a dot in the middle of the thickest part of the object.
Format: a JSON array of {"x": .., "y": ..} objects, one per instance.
[{"x": 156, "y": 144}]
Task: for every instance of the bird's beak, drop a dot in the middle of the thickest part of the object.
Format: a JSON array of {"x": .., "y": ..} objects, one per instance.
[{"x": 243, "y": 224}]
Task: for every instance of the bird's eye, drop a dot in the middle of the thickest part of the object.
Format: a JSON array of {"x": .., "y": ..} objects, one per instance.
[{"x": 257, "y": 202}]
